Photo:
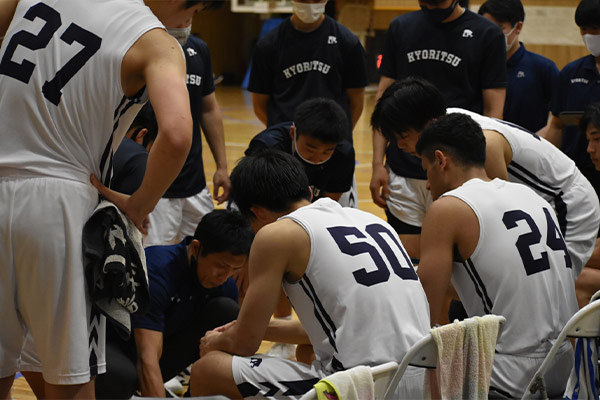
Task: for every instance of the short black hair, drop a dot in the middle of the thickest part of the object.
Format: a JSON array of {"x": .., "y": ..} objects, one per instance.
[
  {"x": 587, "y": 14},
  {"x": 510, "y": 11},
  {"x": 457, "y": 134},
  {"x": 591, "y": 116},
  {"x": 407, "y": 104},
  {"x": 322, "y": 119},
  {"x": 208, "y": 4},
  {"x": 269, "y": 178},
  {"x": 224, "y": 231},
  {"x": 145, "y": 119}
]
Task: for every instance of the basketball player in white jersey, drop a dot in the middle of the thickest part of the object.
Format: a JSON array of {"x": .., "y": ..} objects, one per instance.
[
  {"x": 513, "y": 154},
  {"x": 500, "y": 245},
  {"x": 355, "y": 291},
  {"x": 73, "y": 74}
]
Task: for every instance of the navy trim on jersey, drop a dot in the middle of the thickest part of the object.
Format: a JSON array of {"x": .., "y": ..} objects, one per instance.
[
  {"x": 320, "y": 305},
  {"x": 537, "y": 184},
  {"x": 123, "y": 106},
  {"x": 330, "y": 335},
  {"x": 479, "y": 285}
]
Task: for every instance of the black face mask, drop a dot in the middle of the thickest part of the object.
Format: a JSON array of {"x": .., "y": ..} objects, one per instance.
[{"x": 437, "y": 15}]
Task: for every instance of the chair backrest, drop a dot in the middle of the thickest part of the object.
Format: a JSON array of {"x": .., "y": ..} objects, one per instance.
[
  {"x": 382, "y": 375},
  {"x": 423, "y": 354},
  {"x": 585, "y": 323}
]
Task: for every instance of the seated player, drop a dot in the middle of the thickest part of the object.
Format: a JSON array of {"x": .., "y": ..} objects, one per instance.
[
  {"x": 500, "y": 245},
  {"x": 513, "y": 153},
  {"x": 191, "y": 292},
  {"x": 589, "y": 281},
  {"x": 316, "y": 138},
  {"x": 357, "y": 296}
]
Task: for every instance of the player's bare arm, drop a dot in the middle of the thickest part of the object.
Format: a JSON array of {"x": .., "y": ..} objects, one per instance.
[
  {"x": 149, "y": 350},
  {"x": 212, "y": 125},
  {"x": 260, "y": 103},
  {"x": 279, "y": 251},
  {"x": 7, "y": 11},
  {"x": 356, "y": 98},
  {"x": 448, "y": 222},
  {"x": 553, "y": 131},
  {"x": 286, "y": 331},
  {"x": 379, "y": 186},
  {"x": 498, "y": 155},
  {"x": 493, "y": 102},
  {"x": 156, "y": 60}
]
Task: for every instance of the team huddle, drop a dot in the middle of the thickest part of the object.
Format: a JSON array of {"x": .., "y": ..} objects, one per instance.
[{"x": 489, "y": 190}]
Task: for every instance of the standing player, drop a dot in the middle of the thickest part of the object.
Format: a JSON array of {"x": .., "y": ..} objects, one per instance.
[
  {"x": 345, "y": 272},
  {"x": 500, "y": 244},
  {"x": 531, "y": 77},
  {"x": 72, "y": 77},
  {"x": 308, "y": 55},
  {"x": 463, "y": 55},
  {"x": 188, "y": 199},
  {"x": 512, "y": 154}
]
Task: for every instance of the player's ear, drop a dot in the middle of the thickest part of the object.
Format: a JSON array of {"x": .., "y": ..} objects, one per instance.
[
  {"x": 196, "y": 247},
  {"x": 440, "y": 158},
  {"x": 139, "y": 137},
  {"x": 292, "y": 131}
]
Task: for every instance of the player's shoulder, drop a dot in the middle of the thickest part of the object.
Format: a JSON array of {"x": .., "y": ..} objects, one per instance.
[
  {"x": 341, "y": 30},
  {"x": 539, "y": 60},
  {"x": 576, "y": 65},
  {"x": 197, "y": 43}
]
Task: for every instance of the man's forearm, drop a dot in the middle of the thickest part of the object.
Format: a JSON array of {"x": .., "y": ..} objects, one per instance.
[
  {"x": 286, "y": 331},
  {"x": 150, "y": 379}
]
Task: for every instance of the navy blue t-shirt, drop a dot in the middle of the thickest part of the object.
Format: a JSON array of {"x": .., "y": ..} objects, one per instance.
[
  {"x": 292, "y": 66},
  {"x": 129, "y": 166},
  {"x": 578, "y": 86},
  {"x": 531, "y": 80},
  {"x": 200, "y": 83},
  {"x": 176, "y": 295},
  {"x": 461, "y": 58},
  {"x": 333, "y": 176}
]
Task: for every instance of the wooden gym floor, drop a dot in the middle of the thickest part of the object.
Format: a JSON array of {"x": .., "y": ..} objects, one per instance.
[{"x": 240, "y": 127}]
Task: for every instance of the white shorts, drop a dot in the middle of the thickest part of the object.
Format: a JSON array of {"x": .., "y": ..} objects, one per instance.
[
  {"x": 47, "y": 322},
  {"x": 511, "y": 373},
  {"x": 409, "y": 199},
  {"x": 583, "y": 218},
  {"x": 262, "y": 376},
  {"x": 174, "y": 219}
]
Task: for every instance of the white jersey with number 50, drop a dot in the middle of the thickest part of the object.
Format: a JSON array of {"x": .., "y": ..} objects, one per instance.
[
  {"x": 62, "y": 106},
  {"x": 360, "y": 300},
  {"x": 520, "y": 268}
]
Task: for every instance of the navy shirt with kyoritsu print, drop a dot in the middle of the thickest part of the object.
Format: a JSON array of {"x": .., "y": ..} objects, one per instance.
[
  {"x": 200, "y": 83},
  {"x": 293, "y": 66},
  {"x": 461, "y": 58},
  {"x": 176, "y": 295}
]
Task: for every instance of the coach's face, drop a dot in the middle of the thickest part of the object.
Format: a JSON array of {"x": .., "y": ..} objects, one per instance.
[
  {"x": 215, "y": 268},
  {"x": 592, "y": 134},
  {"x": 407, "y": 141}
]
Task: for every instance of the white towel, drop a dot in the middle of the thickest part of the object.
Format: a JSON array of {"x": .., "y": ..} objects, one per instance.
[
  {"x": 465, "y": 356},
  {"x": 583, "y": 382},
  {"x": 353, "y": 384}
]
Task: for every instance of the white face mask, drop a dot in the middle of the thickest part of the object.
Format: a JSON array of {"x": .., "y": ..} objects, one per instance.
[
  {"x": 592, "y": 42},
  {"x": 506, "y": 35},
  {"x": 308, "y": 13},
  {"x": 181, "y": 34},
  {"x": 295, "y": 151}
]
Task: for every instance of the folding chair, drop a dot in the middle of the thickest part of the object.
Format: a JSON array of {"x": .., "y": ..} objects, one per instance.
[
  {"x": 584, "y": 324},
  {"x": 382, "y": 374},
  {"x": 595, "y": 296},
  {"x": 423, "y": 354}
]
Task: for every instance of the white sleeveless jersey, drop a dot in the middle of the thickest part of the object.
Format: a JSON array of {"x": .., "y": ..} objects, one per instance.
[
  {"x": 62, "y": 106},
  {"x": 520, "y": 268},
  {"x": 554, "y": 176},
  {"x": 360, "y": 300}
]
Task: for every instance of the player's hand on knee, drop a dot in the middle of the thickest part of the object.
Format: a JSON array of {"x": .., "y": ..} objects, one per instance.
[
  {"x": 122, "y": 202},
  {"x": 379, "y": 186}
]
